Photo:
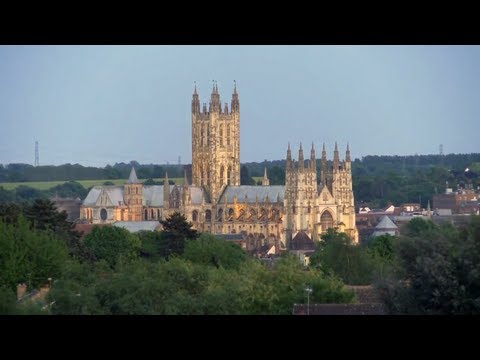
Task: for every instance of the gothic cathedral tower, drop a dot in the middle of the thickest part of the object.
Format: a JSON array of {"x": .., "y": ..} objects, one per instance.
[{"x": 215, "y": 143}]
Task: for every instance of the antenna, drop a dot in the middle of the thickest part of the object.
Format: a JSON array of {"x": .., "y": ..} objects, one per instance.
[
  {"x": 179, "y": 160},
  {"x": 37, "y": 162},
  {"x": 441, "y": 149}
]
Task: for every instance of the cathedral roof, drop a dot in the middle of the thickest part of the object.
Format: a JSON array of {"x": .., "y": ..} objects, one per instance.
[
  {"x": 115, "y": 193},
  {"x": 153, "y": 195},
  {"x": 252, "y": 192}
]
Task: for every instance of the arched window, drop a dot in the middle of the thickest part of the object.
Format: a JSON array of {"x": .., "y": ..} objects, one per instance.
[
  {"x": 201, "y": 174},
  {"x": 220, "y": 215},
  {"x": 158, "y": 214},
  {"x": 146, "y": 214},
  {"x": 208, "y": 135},
  {"x": 230, "y": 214},
  {"x": 208, "y": 216},
  {"x": 220, "y": 134},
  {"x": 228, "y": 135},
  {"x": 195, "y": 215},
  {"x": 229, "y": 175},
  {"x": 152, "y": 214},
  {"x": 222, "y": 175},
  {"x": 326, "y": 220},
  {"x": 103, "y": 214},
  {"x": 263, "y": 214},
  {"x": 201, "y": 135}
]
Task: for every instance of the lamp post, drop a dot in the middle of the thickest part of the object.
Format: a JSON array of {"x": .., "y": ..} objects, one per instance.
[{"x": 309, "y": 290}]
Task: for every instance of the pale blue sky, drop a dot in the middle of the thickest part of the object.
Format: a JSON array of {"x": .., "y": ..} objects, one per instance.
[{"x": 97, "y": 105}]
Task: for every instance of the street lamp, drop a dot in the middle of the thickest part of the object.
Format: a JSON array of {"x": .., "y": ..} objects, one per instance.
[{"x": 309, "y": 290}]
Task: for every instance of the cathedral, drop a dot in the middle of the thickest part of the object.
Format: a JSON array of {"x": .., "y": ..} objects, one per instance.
[{"x": 284, "y": 216}]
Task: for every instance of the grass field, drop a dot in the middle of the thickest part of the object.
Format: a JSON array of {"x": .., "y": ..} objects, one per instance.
[{"x": 45, "y": 185}]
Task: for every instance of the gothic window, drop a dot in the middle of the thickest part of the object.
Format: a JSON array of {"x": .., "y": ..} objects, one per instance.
[
  {"x": 326, "y": 220},
  {"x": 208, "y": 135},
  {"x": 158, "y": 214},
  {"x": 222, "y": 175},
  {"x": 220, "y": 215},
  {"x": 146, "y": 214},
  {"x": 195, "y": 215},
  {"x": 229, "y": 175},
  {"x": 103, "y": 214},
  {"x": 230, "y": 214},
  {"x": 208, "y": 216},
  {"x": 253, "y": 214},
  {"x": 152, "y": 214},
  {"x": 220, "y": 134},
  {"x": 201, "y": 175},
  {"x": 228, "y": 135},
  {"x": 201, "y": 135}
]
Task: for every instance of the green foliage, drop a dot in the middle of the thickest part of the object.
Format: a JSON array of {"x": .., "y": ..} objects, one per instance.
[
  {"x": 8, "y": 301},
  {"x": 439, "y": 272},
  {"x": 113, "y": 244},
  {"x": 210, "y": 250},
  {"x": 154, "y": 245},
  {"x": 337, "y": 255},
  {"x": 420, "y": 227},
  {"x": 69, "y": 189},
  {"x": 176, "y": 231},
  {"x": 382, "y": 246},
  {"x": 29, "y": 255},
  {"x": 245, "y": 178}
]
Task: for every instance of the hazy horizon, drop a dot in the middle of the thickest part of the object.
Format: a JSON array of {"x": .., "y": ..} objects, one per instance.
[{"x": 99, "y": 105}]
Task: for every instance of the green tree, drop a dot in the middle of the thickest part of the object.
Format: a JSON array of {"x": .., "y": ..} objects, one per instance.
[
  {"x": 338, "y": 255},
  {"x": 113, "y": 244},
  {"x": 29, "y": 255},
  {"x": 177, "y": 230},
  {"x": 154, "y": 245},
  {"x": 210, "y": 250},
  {"x": 245, "y": 178}
]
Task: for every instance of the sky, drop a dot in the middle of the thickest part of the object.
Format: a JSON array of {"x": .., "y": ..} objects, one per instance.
[{"x": 99, "y": 105}]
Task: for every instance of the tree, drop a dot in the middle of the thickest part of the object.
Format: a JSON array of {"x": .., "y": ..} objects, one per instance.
[
  {"x": 245, "y": 178},
  {"x": 43, "y": 215},
  {"x": 337, "y": 255},
  {"x": 154, "y": 245},
  {"x": 28, "y": 255},
  {"x": 177, "y": 231},
  {"x": 210, "y": 250},
  {"x": 113, "y": 244}
]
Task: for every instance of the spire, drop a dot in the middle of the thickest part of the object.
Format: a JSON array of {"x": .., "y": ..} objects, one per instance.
[
  {"x": 300, "y": 158},
  {"x": 324, "y": 153},
  {"x": 195, "y": 101},
  {"x": 313, "y": 162},
  {"x": 215, "y": 99},
  {"x": 289, "y": 157},
  {"x": 336, "y": 160},
  {"x": 347, "y": 156},
  {"x": 132, "y": 179},
  {"x": 265, "y": 181},
  {"x": 235, "y": 106},
  {"x": 324, "y": 166}
]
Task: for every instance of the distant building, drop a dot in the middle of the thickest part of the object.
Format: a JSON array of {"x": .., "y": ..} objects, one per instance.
[
  {"x": 266, "y": 215},
  {"x": 385, "y": 226}
]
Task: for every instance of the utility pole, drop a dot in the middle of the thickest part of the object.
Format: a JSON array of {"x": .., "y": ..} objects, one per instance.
[{"x": 37, "y": 162}]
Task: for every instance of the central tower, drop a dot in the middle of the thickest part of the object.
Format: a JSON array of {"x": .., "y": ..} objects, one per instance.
[{"x": 215, "y": 143}]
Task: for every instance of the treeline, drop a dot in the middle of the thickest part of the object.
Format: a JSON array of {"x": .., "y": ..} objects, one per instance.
[
  {"x": 377, "y": 180},
  {"x": 67, "y": 172}
]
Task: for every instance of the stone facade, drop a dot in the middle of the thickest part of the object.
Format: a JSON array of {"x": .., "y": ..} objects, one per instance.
[{"x": 215, "y": 202}]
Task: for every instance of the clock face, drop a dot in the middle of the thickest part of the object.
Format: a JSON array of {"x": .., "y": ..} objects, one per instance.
[{"x": 103, "y": 214}]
